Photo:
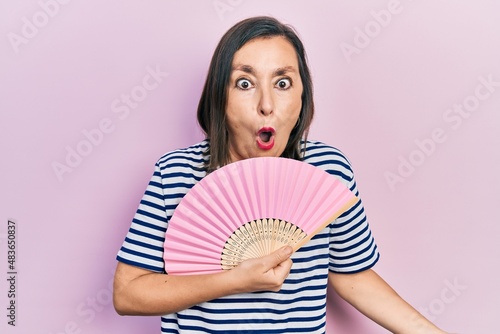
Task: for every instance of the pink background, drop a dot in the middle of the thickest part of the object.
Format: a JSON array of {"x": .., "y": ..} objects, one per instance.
[{"x": 387, "y": 101}]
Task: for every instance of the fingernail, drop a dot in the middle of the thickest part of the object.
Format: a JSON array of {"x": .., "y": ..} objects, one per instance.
[{"x": 288, "y": 250}]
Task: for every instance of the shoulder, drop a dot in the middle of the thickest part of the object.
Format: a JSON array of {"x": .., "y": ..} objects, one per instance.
[
  {"x": 182, "y": 167},
  {"x": 328, "y": 158},
  {"x": 190, "y": 157}
]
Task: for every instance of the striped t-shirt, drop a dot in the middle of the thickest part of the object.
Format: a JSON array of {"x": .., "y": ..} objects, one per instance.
[{"x": 345, "y": 246}]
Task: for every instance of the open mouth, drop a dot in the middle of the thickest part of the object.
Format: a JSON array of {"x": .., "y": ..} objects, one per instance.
[{"x": 265, "y": 138}]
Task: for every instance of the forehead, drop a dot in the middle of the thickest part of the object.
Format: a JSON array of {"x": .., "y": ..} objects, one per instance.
[{"x": 266, "y": 53}]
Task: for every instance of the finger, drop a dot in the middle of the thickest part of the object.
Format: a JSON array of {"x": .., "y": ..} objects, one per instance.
[
  {"x": 281, "y": 272},
  {"x": 283, "y": 269},
  {"x": 280, "y": 255}
]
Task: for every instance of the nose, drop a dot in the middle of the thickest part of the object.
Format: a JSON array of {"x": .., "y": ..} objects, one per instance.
[{"x": 266, "y": 102}]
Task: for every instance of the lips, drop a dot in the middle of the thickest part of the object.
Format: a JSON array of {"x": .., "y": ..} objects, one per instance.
[{"x": 265, "y": 138}]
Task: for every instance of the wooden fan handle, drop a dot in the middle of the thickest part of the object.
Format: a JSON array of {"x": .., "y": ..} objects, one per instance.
[{"x": 344, "y": 208}]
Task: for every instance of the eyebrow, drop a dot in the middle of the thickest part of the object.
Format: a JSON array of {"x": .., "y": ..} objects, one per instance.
[{"x": 250, "y": 70}]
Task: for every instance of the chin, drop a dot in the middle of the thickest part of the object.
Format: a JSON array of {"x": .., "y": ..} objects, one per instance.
[{"x": 273, "y": 153}]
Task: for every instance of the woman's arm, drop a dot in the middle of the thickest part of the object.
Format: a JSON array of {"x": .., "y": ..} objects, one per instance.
[
  {"x": 373, "y": 297},
  {"x": 138, "y": 291}
]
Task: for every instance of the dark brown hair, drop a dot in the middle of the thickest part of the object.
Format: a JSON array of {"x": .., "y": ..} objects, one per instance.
[{"x": 212, "y": 105}]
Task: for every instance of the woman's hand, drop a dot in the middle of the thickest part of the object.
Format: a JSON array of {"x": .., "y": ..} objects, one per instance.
[
  {"x": 263, "y": 274},
  {"x": 141, "y": 292}
]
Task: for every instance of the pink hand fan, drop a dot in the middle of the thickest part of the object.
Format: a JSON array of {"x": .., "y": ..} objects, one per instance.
[{"x": 248, "y": 209}]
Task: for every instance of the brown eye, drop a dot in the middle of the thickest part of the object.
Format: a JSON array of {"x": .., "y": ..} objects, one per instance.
[
  {"x": 284, "y": 84},
  {"x": 243, "y": 84}
]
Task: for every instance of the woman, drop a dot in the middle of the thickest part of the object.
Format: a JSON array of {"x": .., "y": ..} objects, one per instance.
[{"x": 257, "y": 102}]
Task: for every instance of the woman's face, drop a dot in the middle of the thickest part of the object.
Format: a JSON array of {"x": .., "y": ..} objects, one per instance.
[{"x": 264, "y": 98}]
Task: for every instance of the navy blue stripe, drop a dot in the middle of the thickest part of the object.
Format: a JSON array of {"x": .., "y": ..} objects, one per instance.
[
  {"x": 324, "y": 234},
  {"x": 140, "y": 264},
  {"x": 180, "y": 174},
  {"x": 348, "y": 248},
  {"x": 367, "y": 260},
  {"x": 338, "y": 174},
  {"x": 152, "y": 215},
  {"x": 184, "y": 165},
  {"x": 346, "y": 213},
  {"x": 290, "y": 329},
  {"x": 331, "y": 162},
  {"x": 167, "y": 330},
  {"x": 170, "y": 208},
  {"x": 295, "y": 270},
  {"x": 355, "y": 263},
  {"x": 247, "y": 310},
  {"x": 154, "y": 184},
  {"x": 316, "y": 278},
  {"x": 182, "y": 156},
  {"x": 311, "y": 258},
  {"x": 353, "y": 255},
  {"x": 177, "y": 185},
  {"x": 175, "y": 195},
  {"x": 349, "y": 230},
  {"x": 141, "y": 254},
  {"x": 155, "y": 195},
  {"x": 334, "y": 158},
  {"x": 143, "y": 244},
  {"x": 353, "y": 246},
  {"x": 258, "y": 320},
  {"x": 152, "y": 205},
  {"x": 146, "y": 235},
  {"x": 315, "y": 247},
  {"x": 241, "y": 300},
  {"x": 301, "y": 289}
]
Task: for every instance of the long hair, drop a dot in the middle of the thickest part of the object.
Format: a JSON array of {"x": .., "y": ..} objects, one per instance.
[{"x": 212, "y": 105}]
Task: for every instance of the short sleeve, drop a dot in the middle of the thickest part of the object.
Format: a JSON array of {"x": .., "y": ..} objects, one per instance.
[
  {"x": 352, "y": 245},
  {"x": 143, "y": 245}
]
